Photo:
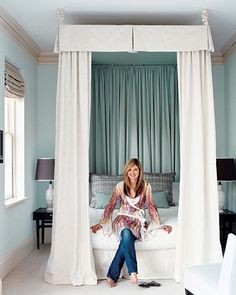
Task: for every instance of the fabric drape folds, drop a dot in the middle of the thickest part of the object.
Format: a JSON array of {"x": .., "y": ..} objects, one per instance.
[
  {"x": 134, "y": 113},
  {"x": 198, "y": 219},
  {"x": 71, "y": 259}
]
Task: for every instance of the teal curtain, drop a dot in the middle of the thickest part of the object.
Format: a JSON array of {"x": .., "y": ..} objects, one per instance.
[{"x": 134, "y": 113}]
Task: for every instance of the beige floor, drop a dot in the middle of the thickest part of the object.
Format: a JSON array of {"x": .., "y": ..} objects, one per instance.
[{"x": 27, "y": 279}]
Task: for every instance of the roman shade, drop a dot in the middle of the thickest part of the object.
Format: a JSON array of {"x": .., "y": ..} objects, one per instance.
[{"x": 14, "y": 82}]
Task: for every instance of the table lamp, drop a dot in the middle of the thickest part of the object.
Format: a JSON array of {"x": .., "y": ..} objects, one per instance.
[
  {"x": 225, "y": 172},
  {"x": 45, "y": 172}
]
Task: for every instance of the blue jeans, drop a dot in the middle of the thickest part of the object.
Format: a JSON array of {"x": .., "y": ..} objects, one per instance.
[{"x": 125, "y": 253}]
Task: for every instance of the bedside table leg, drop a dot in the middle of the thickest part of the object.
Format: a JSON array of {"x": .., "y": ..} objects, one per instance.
[
  {"x": 42, "y": 231},
  {"x": 37, "y": 233}
]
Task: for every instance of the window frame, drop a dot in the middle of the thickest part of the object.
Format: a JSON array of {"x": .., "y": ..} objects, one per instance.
[{"x": 13, "y": 122}]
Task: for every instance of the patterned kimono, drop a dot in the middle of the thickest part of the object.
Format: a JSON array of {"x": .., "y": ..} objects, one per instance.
[{"x": 131, "y": 214}]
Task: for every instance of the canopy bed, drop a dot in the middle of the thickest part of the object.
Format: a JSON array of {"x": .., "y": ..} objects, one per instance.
[{"x": 71, "y": 260}]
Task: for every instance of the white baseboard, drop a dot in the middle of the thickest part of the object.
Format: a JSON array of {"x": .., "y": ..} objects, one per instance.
[{"x": 9, "y": 261}]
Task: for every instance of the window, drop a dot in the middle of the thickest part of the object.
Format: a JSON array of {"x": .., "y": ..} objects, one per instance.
[{"x": 14, "y": 134}]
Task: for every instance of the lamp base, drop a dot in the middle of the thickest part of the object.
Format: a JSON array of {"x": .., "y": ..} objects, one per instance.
[
  {"x": 221, "y": 197},
  {"x": 49, "y": 197}
]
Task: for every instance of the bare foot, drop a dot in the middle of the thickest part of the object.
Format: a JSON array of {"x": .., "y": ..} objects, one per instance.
[
  {"x": 133, "y": 278},
  {"x": 110, "y": 283}
]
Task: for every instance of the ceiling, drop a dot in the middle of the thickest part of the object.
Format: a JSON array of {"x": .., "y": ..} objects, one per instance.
[{"x": 39, "y": 18}]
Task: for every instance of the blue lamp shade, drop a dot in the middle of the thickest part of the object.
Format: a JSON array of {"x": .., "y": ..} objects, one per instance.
[
  {"x": 226, "y": 170},
  {"x": 45, "y": 169}
]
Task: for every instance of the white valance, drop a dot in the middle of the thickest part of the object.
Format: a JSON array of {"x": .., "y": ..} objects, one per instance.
[
  {"x": 108, "y": 38},
  {"x": 95, "y": 38},
  {"x": 172, "y": 38}
]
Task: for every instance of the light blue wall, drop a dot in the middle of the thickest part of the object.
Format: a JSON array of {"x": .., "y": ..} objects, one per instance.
[
  {"x": 230, "y": 104},
  {"x": 16, "y": 223},
  {"x": 218, "y": 88},
  {"x": 230, "y": 129},
  {"x": 47, "y": 81}
]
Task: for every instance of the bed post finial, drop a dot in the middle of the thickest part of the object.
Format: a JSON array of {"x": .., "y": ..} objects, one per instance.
[
  {"x": 60, "y": 15},
  {"x": 204, "y": 16}
]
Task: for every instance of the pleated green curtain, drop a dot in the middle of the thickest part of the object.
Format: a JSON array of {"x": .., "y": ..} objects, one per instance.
[{"x": 134, "y": 113}]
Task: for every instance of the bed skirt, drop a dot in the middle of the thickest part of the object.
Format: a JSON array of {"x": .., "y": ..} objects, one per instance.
[{"x": 152, "y": 264}]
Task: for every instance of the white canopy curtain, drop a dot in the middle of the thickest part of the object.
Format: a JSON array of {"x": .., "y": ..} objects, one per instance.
[
  {"x": 71, "y": 259},
  {"x": 198, "y": 237},
  {"x": 71, "y": 245}
]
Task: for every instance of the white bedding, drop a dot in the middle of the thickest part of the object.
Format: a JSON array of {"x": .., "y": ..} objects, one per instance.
[{"x": 161, "y": 240}]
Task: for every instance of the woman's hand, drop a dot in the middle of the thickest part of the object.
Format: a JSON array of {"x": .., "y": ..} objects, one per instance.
[
  {"x": 95, "y": 228},
  {"x": 166, "y": 228}
]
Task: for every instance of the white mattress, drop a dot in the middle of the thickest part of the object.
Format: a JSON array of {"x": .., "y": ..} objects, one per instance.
[{"x": 161, "y": 240}]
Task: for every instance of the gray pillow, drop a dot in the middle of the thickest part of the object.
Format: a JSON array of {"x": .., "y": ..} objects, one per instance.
[
  {"x": 161, "y": 182},
  {"x": 160, "y": 199},
  {"x": 100, "y": 200},
  {"x": 175, "y": 192}
]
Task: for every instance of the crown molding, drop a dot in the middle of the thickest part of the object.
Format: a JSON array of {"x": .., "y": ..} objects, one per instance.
[
  {"x": 229, "y": 48},
  {"x": 48, "y": 58},
  {"x": 217, "y": 58},
  {"x": 17, "y": 33},
  {"x": 52, "y": 58}
]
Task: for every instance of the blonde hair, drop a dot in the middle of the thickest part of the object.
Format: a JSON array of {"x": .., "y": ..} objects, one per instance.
[{"x": 140, "y": 182}]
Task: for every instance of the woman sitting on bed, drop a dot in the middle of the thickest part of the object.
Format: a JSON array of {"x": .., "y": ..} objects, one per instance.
[{"x": 130, "y": 224}]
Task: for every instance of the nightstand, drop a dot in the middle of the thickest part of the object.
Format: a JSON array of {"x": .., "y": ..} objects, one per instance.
[
  {"x": 227, "y": 218},
  {"x": 43, "y": 220}
]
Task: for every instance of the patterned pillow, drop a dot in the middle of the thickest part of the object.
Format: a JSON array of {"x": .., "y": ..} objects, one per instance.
[
  {"x": 103, "y": 184},
  {"x": 161, "y": 182}
]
